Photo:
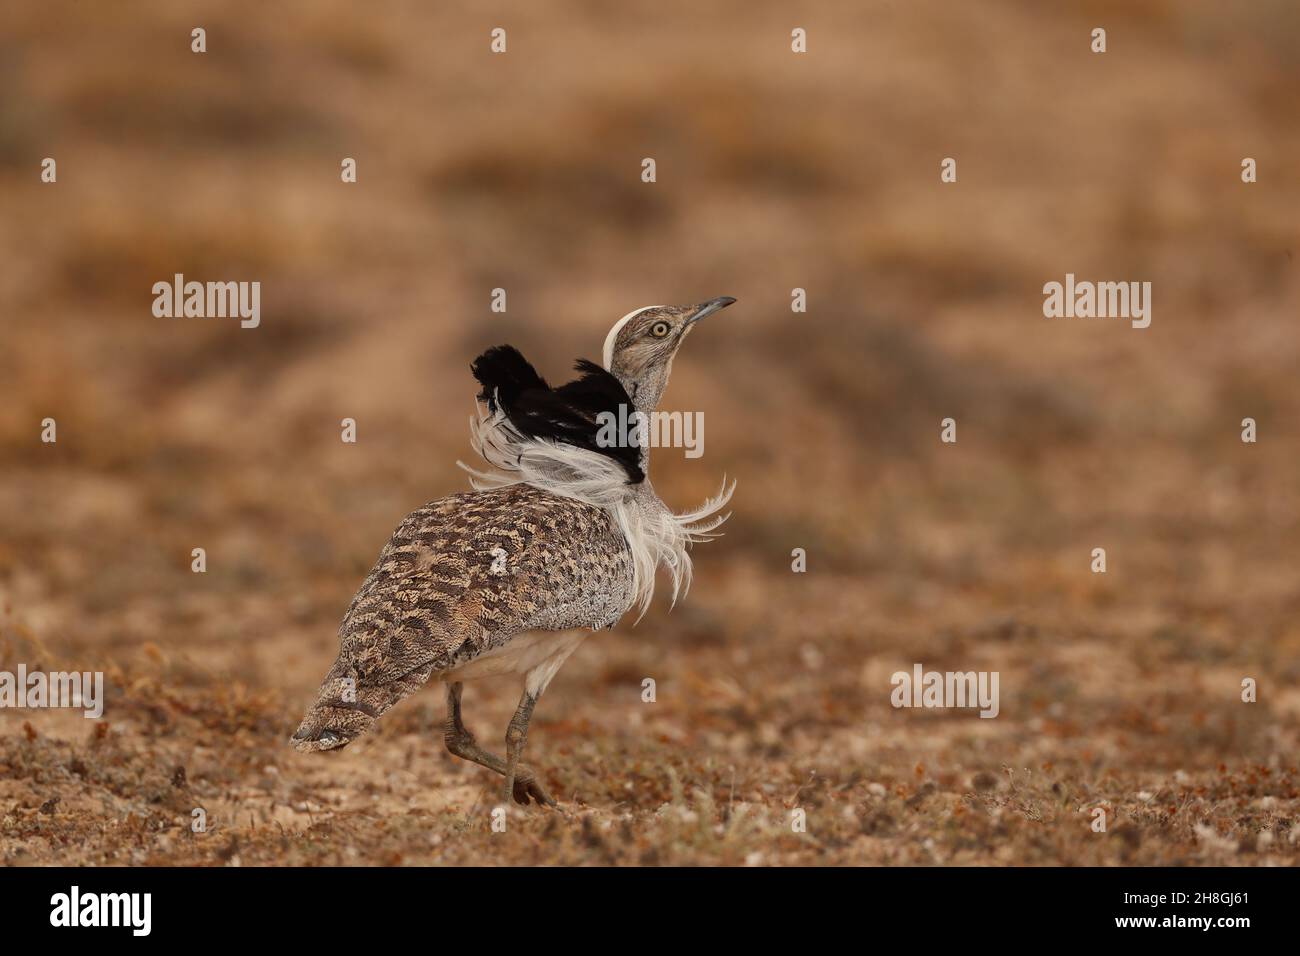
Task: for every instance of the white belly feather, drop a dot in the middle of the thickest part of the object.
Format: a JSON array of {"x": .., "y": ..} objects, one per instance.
[{"x": 537, "y": 654}]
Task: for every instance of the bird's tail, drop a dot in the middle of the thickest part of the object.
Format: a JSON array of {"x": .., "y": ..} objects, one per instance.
[{"x": 344, "y": 711}]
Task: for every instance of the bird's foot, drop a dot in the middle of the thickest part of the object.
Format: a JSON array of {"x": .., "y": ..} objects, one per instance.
[{"x": 526, "y": 787}]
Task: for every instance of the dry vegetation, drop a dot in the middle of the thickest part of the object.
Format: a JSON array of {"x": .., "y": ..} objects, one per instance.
[{"x": 775, "y": 171}]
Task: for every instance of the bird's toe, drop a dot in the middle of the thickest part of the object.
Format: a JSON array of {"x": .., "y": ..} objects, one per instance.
[{"x": 530, "y": 789}]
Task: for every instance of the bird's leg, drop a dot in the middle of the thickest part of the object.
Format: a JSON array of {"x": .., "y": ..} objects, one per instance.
[
  {"x": 461, "y": 743},
  {"x": 516, "y": 737}
]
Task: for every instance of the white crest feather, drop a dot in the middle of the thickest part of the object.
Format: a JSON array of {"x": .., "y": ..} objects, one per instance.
[
  {"x": 607, "y": 354},
  {"x": 654, "y": 534}
]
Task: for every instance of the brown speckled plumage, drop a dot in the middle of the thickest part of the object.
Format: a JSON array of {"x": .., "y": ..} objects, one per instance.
[{"x": 433, "y": 602}]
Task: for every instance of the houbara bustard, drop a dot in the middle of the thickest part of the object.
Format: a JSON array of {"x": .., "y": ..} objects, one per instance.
[{"x": 565, "y": 532}]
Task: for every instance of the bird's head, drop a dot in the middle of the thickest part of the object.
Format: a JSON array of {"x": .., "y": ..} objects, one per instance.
[{"x": 640, "y": 347}]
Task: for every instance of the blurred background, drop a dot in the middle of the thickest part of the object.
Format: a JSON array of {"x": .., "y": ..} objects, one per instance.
[{"x": 775, "y": 171}]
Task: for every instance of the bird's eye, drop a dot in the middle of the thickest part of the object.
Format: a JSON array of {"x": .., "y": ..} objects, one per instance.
[{"x": 660, "y": 329}]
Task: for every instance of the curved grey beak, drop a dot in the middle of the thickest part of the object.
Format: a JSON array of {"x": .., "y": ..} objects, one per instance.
[{"x": 708, "y": 308}]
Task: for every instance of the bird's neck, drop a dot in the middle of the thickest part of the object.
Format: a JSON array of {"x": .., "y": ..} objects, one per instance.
[
  {"x": 646, "y": 498},
  {"x": 645, "y": 394}
]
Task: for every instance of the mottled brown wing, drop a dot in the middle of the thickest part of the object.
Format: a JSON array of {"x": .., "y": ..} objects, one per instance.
[
  {"x": 461, "y": 576},
  {"x": 466, "y": 572}
]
